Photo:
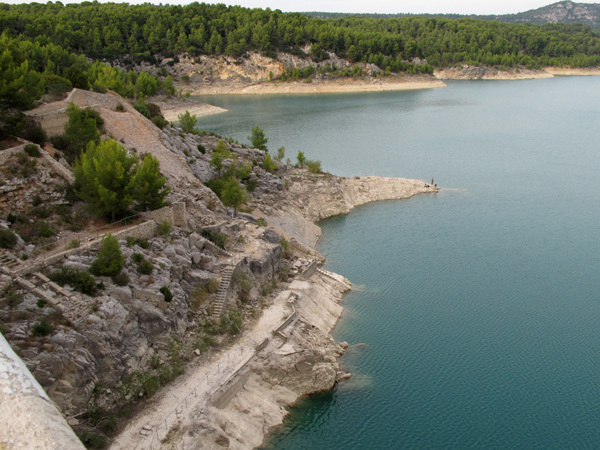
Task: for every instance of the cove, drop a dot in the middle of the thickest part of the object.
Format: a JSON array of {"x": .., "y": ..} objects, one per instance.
[{"x": 476, "y": 318}]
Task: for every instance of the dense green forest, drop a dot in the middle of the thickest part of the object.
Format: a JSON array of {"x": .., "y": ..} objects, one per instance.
[
  {"x": 30, "y": 68},
  {"x": 560, "y": 12},
  {"x": 144, "y": 31},
  {"x": 46, "y": 47}
]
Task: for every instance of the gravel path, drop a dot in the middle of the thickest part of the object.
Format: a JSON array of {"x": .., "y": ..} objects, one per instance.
[{"x": 172, "y": 404}]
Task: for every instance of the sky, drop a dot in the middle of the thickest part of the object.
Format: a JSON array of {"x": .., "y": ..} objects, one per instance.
[{"x": 368, "y": 6}]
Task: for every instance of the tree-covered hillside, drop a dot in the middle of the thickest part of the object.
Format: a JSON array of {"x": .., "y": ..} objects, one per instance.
[
  {"x": 560, "y": 12},
  {"x": 144, "y": 31}
]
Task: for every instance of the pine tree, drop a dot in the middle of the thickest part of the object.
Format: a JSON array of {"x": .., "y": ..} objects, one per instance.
[
  {"x": 110, "y": 260},
  {"x": 258, "y": 138},
  {"x": 234, "y": 194},
  {"x": 147, "y": 186},
  {"x": 102, "y": 178}
]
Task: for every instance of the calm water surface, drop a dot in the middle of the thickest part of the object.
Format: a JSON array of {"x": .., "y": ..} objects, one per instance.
[{"x": 477, "y": 319}]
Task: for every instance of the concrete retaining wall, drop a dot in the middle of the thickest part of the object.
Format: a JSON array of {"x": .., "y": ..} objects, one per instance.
[
  {"x": 222, "y": 398},
  {"x": 28, "y": 419},
  {"x": 53, "y": 124},
  {"x": 310, "y": 271},
  {"x": 175, "y": 214},
  {"x": 143, "y": 230},
  {"x": 287, "y": 321}
]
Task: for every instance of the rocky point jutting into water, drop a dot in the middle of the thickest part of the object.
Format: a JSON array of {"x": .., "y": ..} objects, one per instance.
[{"x": 248, "y": 313}]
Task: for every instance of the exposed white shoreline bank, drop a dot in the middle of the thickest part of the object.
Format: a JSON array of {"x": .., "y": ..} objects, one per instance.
[{"x": 287, "y": 354}]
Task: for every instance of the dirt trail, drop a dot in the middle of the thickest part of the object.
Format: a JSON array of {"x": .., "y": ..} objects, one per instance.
[{"x": 173, "y": 404}]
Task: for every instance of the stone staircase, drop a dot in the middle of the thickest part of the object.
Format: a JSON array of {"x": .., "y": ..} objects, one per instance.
[
  {"x": 334, "y": 276},
  {"x": 215, "y": 248},
  {"x": 219, "y": 303},
  {"x": 71, "y": 305},
  {"x": 9, "y": 261}
]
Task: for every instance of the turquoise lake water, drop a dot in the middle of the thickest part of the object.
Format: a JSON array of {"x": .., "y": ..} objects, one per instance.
[{"x": 476, "y": 322}]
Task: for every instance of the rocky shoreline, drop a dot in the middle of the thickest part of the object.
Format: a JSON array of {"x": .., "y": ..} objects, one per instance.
[
  {"x": 289, "y": 352},
  {"x": 253, "y": 343}
]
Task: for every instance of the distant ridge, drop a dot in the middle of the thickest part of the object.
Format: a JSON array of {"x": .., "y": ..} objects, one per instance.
[{"x": 560, "y": 12}]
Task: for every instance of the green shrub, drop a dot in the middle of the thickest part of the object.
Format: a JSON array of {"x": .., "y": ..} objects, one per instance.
[
  {"x": 284, "y": 272},
  {"x": 213, "y": 285},
  {"x": 164, "y": 229},
  {"x": 143, "y": 243},
  {"x": 110, "y": 260},
  {"x": 73, "y": 244},
  {"x": 40, "y": 211},
  {"x": 244, "y": 172},
  {"x": 91, "y": 439},
  {"x": 215, "y": 237},
  {"x": 201, "y": 149},
  {"x": 41, "y": 303},
  {"x": 37, "y": 200},
  {"x": 286, "y": 248},
  {"x": 145, "y": 267},
  {"x": 150, "y": 385},
  {"x": 251, "y": 185},
  {"x": 121, "y": 279},
  {"x": 32, "y": 150},
  {"x": 268, "y": 164},
  {"x": 137, "y": 258},
  {"x": 12, "y": 297},
  {"x": 22, "y": 158},
  {"x": 27, "y": 165},
  {"x": 261, "y": 222},
  {"x": 80, "y": 280},
  {"x": 208, "y": 341},
  {"x": 8, "y": 239},
  {"x": 314, "y": 166},
  {"x": 45, "y": 230},
  {"x": 130, "y": 241},
  {"x": 43, "y": 328},
  {"x": 166, "y": 292},
  {"x": 142, "y": 108},
  {"x": 216, "y": 185},
  {"x": 34, "y": 133},
  {"x": 231, "y": 322},
  {"x": 160, "y": 121}
]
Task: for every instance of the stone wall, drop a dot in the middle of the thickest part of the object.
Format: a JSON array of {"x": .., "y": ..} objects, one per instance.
[
  {"x": 143, "y": 230},
  {"x": 53, "y": 124},
  {"x": 160, "y": 215},
  {"x": 6, "y": 154},
  {"x": 175, "y": 214},
  {"x": 28, "y": 419},
  {"x": 58, "y": 167},
  {"x": 310, "y": 271},
  {"x": 180, "y": 215}
]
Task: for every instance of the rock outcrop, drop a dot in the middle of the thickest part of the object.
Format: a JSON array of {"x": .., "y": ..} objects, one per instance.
[{"x": 95, "y": 354}]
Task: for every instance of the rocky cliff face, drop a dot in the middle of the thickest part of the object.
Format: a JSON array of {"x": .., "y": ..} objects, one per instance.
[
  {"x": 299, "y": 360},
  {"x": 466, "y": 72},
  {"x": 96, "y": 354},
  {"x": 306, "y": 198}
]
